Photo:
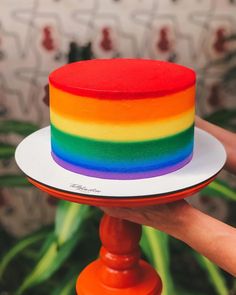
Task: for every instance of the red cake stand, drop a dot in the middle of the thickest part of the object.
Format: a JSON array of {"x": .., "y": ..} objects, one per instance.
[{"x": 119, "y": 269}]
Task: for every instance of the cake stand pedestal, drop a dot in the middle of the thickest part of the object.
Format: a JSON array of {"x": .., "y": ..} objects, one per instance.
[{"x": 119, "y": 269}]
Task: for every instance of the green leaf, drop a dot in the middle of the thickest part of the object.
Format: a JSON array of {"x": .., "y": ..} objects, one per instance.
[
  {"x": 17, "y": 127},
  {"x": 50, "y": 240},
  {"x": 180, "y": 291},
  {"x": 214, "y": 273},
  {"x": 67, "y": 289},
  {"x": 49, "y": 263},
  {"x": 70, "y": 217},
  {"x": 218, "y": 188},
  {"x": 6, "y": 150},
  {"x": 67, "y": 286},
  {"x": 13, "y": 180},
  {"x": 19, "y": 247},
  {"x": 159, "y": 250},
  {"x": 67, "y": 220},
  {"x": 145, "y": 246}
]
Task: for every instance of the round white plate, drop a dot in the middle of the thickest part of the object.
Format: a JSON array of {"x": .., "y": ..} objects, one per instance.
[{"x": 33, "y": 156}]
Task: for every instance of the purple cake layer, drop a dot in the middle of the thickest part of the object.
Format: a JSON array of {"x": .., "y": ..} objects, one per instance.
[{"x": 120, "y": 176}]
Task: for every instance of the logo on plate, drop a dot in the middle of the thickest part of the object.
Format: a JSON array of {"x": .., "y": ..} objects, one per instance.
[{"x": 83, "y": 188}]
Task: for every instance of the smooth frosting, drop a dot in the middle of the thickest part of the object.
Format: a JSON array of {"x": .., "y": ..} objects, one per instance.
[
  {"x": 133, "y": 133},
  {"x": 114, "y": 79}
]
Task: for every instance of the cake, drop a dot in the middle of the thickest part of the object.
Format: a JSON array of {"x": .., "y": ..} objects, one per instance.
[{"x": 122, "y": 118}]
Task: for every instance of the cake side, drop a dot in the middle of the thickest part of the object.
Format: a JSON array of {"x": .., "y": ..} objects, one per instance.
[{"x": 126, "y": 138}]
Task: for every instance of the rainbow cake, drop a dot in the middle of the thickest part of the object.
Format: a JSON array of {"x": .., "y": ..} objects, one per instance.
[{"x": 122, "y": 118}]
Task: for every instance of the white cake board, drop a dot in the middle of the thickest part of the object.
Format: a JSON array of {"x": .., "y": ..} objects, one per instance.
[{"x": 33, "y": 156}]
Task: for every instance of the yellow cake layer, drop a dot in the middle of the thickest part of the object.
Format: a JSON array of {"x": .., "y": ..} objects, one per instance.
[{"x": 124, "y": 131}]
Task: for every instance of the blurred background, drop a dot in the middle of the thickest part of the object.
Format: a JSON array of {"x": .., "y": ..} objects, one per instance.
[{"x": 37, "y": 36}]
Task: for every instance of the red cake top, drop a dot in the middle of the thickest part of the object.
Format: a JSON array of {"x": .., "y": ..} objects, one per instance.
[{"x": 122, "y": 78}]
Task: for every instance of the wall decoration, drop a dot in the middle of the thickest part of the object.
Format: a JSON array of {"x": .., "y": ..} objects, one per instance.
[{"x": 37, "y": 36}]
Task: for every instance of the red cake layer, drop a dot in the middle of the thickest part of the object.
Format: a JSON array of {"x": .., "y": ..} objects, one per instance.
[{"x": 135, "y": 78}]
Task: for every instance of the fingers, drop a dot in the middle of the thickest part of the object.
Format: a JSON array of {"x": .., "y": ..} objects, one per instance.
[
  {"x": 123, "y": 213},
  {"x": 158, "y": 216},
  {"x": 135, "y": 215}
]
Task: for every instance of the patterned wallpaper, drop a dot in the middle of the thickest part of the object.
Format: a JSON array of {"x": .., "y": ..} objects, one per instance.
[{"x": 37, "y": 36}]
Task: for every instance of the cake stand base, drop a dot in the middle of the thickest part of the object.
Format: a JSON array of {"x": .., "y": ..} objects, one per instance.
[
  {"x": 119, "y": 270},
  {"x": 149, "y": 284}
]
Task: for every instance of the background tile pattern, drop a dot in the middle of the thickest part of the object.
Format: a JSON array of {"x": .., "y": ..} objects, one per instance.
[{"x": 38, "y": 36}]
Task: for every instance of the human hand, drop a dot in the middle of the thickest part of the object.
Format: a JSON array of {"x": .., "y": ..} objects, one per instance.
[
  {"x": 168, "y": 218},
  {"x": 227, "y": 138},
  {"x": 208, "y": 236}
]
